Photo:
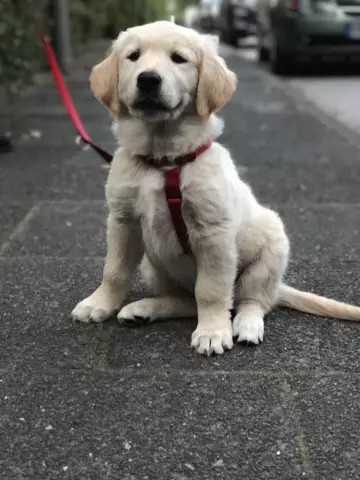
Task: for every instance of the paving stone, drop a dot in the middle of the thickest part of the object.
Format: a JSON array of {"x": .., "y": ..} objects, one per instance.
[
  {"x": 329, "y": 417},
  {"x": 11, "y": 215},
  {"x": 71, "y": 229},
  {"x": 42, "y": 286},
  {"x": 288, "y": 185},
  {"x": 340, "y": 345},
  {"x": 28, "y": 341},
  {"x": 36, "y": 298},
  {"x": 338, "y": 340},
  {"x": 320, "y": 231},
  {"x": 43, "y": 173},
  {"x": 263, "y": 148},
  {"x": 60, "y": 131},
  {"x": 147, "y": 425},
  {"x": 262, "y": 123},
  {"x": 47, "y": 103}
]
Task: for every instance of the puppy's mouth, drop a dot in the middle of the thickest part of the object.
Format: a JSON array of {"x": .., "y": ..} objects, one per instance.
[{"x": 153, "y": 105}]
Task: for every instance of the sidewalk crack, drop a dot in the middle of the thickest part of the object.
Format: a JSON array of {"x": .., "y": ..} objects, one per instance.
[{"x": 290, "y": 400}]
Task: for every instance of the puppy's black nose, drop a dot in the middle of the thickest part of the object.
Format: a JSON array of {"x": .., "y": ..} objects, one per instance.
[{"x": 148, "y": 81}]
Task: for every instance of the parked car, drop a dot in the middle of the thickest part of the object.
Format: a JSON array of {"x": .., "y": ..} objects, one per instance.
[
  {"x": 237, "y": 19},
  {"x": 289, "y": 30}
]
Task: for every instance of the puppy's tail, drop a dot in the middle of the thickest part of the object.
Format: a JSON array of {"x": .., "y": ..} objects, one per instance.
[{"x": 310, "y": 303}]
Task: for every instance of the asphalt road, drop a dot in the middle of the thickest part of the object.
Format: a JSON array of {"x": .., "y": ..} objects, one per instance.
[{"x": 335, "y": 89}]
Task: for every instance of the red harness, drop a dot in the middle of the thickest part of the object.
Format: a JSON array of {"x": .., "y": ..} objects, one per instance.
[{"x": 173, "y": 191}]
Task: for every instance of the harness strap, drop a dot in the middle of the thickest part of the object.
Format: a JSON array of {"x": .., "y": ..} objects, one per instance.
[{"x": 173, "y": 196}]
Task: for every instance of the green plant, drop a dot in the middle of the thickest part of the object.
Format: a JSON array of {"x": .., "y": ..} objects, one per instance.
[{"x": 21, "y": 53}]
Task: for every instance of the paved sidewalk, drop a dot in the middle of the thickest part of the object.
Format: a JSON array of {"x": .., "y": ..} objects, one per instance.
[{"x": 106, "y": 402}]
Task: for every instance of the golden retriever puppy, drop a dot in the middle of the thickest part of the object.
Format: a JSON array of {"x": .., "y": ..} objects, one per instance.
[{"x": 162, "y": 84}]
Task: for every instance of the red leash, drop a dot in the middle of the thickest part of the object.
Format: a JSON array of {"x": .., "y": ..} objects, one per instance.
[
  {"x": 172, "y": 186},
  {"x": 66, "y": 98}
]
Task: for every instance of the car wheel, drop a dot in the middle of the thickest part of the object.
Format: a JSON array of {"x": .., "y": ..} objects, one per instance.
[
  {"x": 233, "y": 39},
  {"x": 263, "y": 54},
  {"x": 281, "y": 62},
  {"x": 223, "y": 36},
  {"x": 262, "y": 51}
]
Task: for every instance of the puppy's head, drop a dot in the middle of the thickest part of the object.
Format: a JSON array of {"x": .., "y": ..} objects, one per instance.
[{"x": 158, "y": 71}]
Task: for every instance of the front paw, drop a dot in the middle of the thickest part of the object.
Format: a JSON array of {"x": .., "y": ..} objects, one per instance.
[
  {"x": 140, "y": 312},
  {"x": 207, "y": 341},
  {"x": 97, "y": 308},
  {"x": 248, "y": 328}
]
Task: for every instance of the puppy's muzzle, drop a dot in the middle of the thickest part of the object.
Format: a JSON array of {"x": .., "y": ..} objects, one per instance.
[{"x": 149, "y": 82}]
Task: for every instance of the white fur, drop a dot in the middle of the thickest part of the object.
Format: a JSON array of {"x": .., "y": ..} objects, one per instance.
[{"x": 229, "y": 231}]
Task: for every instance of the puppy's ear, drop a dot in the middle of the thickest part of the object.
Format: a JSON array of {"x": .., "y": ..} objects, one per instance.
[
  {"x": 216, "y": 85},
  {"x": 104, "y": 80}
]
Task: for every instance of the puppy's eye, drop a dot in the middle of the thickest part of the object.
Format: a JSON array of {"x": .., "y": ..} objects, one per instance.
[
  {"x": 176, "y": 58},
  {"x": 134, "y": 56}
]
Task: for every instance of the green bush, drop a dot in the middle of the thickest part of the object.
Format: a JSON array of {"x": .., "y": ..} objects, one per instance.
[{"x": 21, "y": 53}]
